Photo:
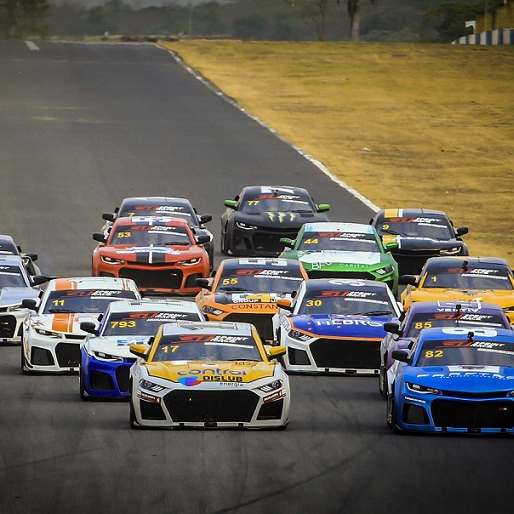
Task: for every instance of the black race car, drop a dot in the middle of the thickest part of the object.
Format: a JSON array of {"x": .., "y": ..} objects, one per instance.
[
  {"x": 9, "y": 247},
  {"x": 420, "y": 234},
  {"x": 259, "y": 216},
  {"x": 163, "y": 206}
]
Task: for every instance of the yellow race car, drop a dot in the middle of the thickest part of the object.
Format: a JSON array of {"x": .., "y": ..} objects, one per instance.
[
  {"x": 247, "y": 289},
  {"x": 487, "y": 279}
]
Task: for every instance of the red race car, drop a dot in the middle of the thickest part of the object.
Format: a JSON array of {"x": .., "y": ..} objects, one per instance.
[{"x": 159, "y": 253}]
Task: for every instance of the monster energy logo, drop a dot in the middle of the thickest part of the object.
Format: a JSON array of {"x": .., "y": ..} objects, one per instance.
[{"x": 282, "y": 216}]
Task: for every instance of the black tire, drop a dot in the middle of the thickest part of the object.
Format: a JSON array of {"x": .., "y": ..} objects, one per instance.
[
  {"x": 223, "y": 243},
  {"x": 83, "y": 395},
  {"x": 134, "y": 425},
  {"x": 23, "y": 362},
  {"x": 391, "y": 415},
  {"x": 382, "y": 383}
]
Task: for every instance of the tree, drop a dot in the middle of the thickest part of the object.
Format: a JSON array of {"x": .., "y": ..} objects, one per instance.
[
  {"x": 313, "y": 13},
  {"x": 355, "y": 17},
  {"x": 22, "y": 17}
]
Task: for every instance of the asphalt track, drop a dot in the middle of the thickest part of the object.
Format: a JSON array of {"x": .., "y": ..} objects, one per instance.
[{"x": 84, "y": 125}]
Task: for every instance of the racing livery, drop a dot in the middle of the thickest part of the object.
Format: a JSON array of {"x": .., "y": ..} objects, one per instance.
[
  {"x": 344, "y": 250},
  {"x": 488, "y": 279},
  {"x": 160, "y": 254},
  {"x": 247, "y": 289},
  {"x": 335, "y": 326},
  {"x": 432, "y": 315},
  {"x": 51, "y": 330},
  {"x": 105, "y": 358},
  {"x": 208, "y": 375},
  {"x": 454, "y": 380},
  {"x": 255, "y": 221},
  {"x": 15, "y": 286},
  {"x": 163, "y": 206},
  {"x": 419, "y": 234}
]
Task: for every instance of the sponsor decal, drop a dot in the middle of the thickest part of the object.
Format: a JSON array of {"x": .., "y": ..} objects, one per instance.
[
  {"x": 189, "y": 381},
  {"x": 274, "y": 397}
]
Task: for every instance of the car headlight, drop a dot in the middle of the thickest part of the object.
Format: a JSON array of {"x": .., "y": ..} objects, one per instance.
[
  {"x": 107, "y": 357},
  {"x": 299, "y": 336},
  {"x": 385, "y": 271},
  {"x": 272, "y": 386},
  {"x": 47, "y": 333},
  {"x": 245, "y": 226},
  {"x": 190, "y": 262},
  {"x": 110, "y": 260},
  {"x": 150, "y": 386},
  {"x": 416, "y": 388},
  {"x": 212, "y": 310},
  {"x": 454, "y": 250}
]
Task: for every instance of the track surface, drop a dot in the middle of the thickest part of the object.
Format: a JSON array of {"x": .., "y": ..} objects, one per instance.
[{"x": 81, "y": 127}]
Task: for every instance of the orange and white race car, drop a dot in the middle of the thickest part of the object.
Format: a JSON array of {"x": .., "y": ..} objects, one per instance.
[
  {"x": 51, "y": 330},
  {"x": 159, "y": 253},
  {"x": 246, "y": 289}
]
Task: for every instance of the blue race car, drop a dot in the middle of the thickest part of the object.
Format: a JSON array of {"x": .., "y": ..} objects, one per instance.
[
  {"x": 454, "y": 380},
  {"x": 105, "y": 358},
  {"x": 335, "y": 325},
  {"x": 432, "y": 315}
]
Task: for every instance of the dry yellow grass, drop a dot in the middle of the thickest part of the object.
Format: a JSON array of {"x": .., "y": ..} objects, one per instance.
[{"x": 404, "y": 124}]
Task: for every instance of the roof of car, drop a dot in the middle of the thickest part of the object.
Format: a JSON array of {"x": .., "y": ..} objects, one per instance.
[
  {"x": 334, "y": 226},
  {"x": 409, "y": 212},
  {"x": 257, "y": 263},
  {"x": 207, "y": 328},
  {"x": 346, "y": 283},
  {"x": 451, "y": 333},
  {"x": 461, "y": 261},
  {"x": 167, "y": 305},
  {"x": 64, "y": 284},
  {"x": 154, "y": 200},
  {"x": 280, "y": 189},
  {"x": 451, "y": 306},
  {"x": 151, "y": 220}
]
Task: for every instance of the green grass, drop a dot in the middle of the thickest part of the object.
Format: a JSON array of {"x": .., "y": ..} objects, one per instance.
[{"x": 417, "y": 125}]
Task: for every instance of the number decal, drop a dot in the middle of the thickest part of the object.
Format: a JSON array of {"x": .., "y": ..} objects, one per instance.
[
  {"x": 125, "y": 234},
  {"x": 123, "y": 324},
  {"x": 311, "y": 241},
  {"x": 422, "y": 324},
  {"x": 58, "y": 303},
  {"x": 429, "y": 354},
  {"x": 314, "y": 303},
  {"x": 229, "y": 281}
]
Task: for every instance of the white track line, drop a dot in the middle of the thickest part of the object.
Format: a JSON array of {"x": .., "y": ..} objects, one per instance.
[{"x": 32, "y": 46}]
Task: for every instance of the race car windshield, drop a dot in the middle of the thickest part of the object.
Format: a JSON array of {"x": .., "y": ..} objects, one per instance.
[
  {"x": 433, "y": 228},
  {"x": 83, "y": 300},
  {"x": 11, "y": 276},
  {"x": 142, "y": 323},
  {"x": 276, "y": 202},
  {"x": 376, "y": 304},
  {"x": 469, "y": 278},
  {"x": 452, "y": 319},
  {"x": 207, "y": 348},
  {"x": 466, "y": 353},
  {"x": 260, "y": 281},
  {"x": 146, "y": 235},
  {"x": 340, "y": 241}
]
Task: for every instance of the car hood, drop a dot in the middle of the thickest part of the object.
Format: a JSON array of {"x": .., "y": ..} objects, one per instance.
[
  {"x": 152, "y": 254},
  {"x": 472, "y": 379},
  {"x": 194, "y": 372},
  {"x": 118, "y": 346},
  {"x": 284, "y": 219},
  {"x": 335, "y": 325},
  {"x": 15, "y": 295},
  {"x": 66, "y": 323}
]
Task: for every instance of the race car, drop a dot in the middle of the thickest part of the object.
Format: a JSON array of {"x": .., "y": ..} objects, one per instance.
[
  {"x": 335, "y": 326},
  {"x": 488, "y": 279},
  {"x": 105, "y": 358},
  {"x": 344, "y": 250},
  {"x": 246, "y": 289},
  {"x": 259, "y": 216},
  {"x": 208, "y": 375},
  {"x": 432, "y": 315},
  {"x": 160, "y": 254},
  {"x": 419, "y": 234},
  {"x": 9, "y": 247},
  {"x": 455, "y": 380},
  {"x": 15, "y": 286},
  {"x": 51, "y": 333},
  {"x": 163, "y": 206}
]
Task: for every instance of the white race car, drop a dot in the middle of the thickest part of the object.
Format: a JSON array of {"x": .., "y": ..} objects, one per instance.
[
  {"x": 105, "y": 358},
  {"x": 15, "y": 286},
  {"x": 210, "y": 374},
  {"x": 51, "y": 333}
]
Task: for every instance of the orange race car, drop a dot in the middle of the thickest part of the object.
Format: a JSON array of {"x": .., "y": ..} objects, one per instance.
[
  {"x": 159, "y": 253},
  {"x": 487, "y": 279},
  {"x": 246, "y": 289}
]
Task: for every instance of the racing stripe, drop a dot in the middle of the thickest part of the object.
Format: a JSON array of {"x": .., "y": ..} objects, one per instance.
[
  {"x": 63, "y": 322},
  {"x": 62, "y": 284},
  {"x": 158, "y": 258},
  {"x": 392, "y": 213}
]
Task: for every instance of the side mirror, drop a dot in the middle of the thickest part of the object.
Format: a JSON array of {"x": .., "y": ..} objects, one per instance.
[
  {"x": 204, "y": 218},
  {"x": 40, "y": 279},
  {"x": 276, "y": 351},
  {"x": 140, "y": 350},
  {"x": 461, "y": 231},
  {"x": 400, "y": 355},
  {"x": 32, "y": 256},
  {"x": 29, "y": 304},
  {"x": 392, "y": 327},
  {"x": 204, "y": 283},
  {"x": 323, "y": 207},
  {"x": 201, "y": 240},
  {"x": 231, "y": 204},
  {"x": 390, "y": 245},
  {"x": 411, "y": 280},
  {"x": 89, "y": 327},
  {"x": 285, "y": 303},
  {"x": 287, "y": 241},
  {"x": 99, "y": 236},
  {"x": 108, "y": 216}
]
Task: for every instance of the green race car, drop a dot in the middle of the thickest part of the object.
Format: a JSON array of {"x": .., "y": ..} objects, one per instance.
[{"x": 345, "y": 250}]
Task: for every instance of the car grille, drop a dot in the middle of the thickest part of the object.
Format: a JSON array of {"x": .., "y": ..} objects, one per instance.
[
  {"x": 363, "y": 275},
  {"x": 337, "y": 353},
  {"x": 101, "y": 381},
  {"x": 122, "y": 376},
  {"x": 262, "y": 323},
  {"x": 487, "y": 414},
  {"x": 68, "y": 355},
  {"x": 154, "y": 279},
  {"x": 7, "y": 327},
  {"x": 211, "y": 406}
]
